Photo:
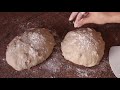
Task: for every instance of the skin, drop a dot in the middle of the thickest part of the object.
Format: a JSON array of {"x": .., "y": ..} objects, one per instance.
[{"x": 94, "y": 17}]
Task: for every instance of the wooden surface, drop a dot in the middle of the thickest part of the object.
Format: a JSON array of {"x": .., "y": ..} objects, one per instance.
[{"x": 12, "y": 24}]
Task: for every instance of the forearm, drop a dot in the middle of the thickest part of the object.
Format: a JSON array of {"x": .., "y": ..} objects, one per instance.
[
  {"x": 114, "y": 17},
  {"x": 112, "y": 13}
]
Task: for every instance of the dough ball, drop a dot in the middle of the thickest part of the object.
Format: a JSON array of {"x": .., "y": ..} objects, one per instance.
[
  {"x": 83, "y": 46},
  {"x": 29, "y": 49}
]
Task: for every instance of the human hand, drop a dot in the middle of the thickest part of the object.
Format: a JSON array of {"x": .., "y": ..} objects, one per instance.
[{"x": 92, "y": 17}]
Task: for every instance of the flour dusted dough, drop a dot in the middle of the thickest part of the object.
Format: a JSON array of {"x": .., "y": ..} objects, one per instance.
[
  {"x": 83, "y": 46},
  {"x": 30, "y": 49}
]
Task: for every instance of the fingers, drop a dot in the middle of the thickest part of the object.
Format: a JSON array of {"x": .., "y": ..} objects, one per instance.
[
  {"x": 78, "y": 19},
  {"x": 73, "y": 15},
  {"x": 82, "y": 22},
  {"x": 78, "y": 24}
]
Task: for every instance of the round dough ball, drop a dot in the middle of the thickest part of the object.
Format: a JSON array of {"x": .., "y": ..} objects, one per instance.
[
  {"x": 83, "y": 46},
  {"x": 30, "y": 49}
]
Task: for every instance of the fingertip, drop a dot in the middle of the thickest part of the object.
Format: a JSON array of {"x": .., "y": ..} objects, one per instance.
[
  {"x": 70, "y": 19},
  {"x": 73, "y": 15},
  {"x": 76, "y": 25}
]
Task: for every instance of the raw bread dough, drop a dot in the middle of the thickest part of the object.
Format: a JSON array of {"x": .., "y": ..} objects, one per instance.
[
  {"x": 30, "y": 49},
  {"x": 83, "y": 46}
]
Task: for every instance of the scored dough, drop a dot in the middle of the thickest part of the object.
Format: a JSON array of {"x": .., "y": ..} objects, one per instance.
[
  {"x": 83, "y": 46},
  {"x": 30, "y": 49}
]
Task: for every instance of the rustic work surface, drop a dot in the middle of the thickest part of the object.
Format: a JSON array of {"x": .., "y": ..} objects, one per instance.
[{"x": 12, "y": 24}]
